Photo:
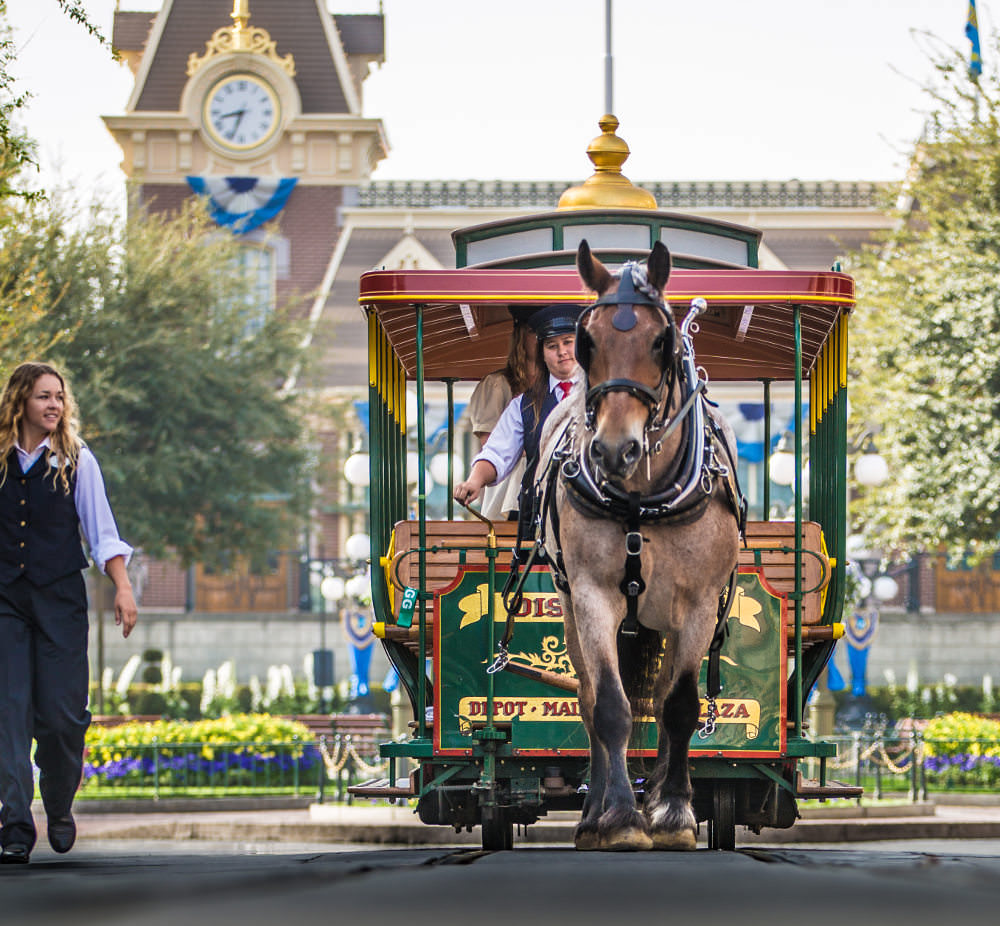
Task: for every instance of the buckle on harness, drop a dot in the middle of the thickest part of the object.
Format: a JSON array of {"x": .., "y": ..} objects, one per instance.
[{"x": 633, "y": 543}]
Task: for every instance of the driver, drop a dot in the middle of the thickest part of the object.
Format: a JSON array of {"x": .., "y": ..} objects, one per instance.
[{"x": 520, "y": 426}]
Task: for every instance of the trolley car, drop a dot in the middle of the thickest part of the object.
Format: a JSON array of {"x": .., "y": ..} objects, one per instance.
[{"x": 499, "y": 750}]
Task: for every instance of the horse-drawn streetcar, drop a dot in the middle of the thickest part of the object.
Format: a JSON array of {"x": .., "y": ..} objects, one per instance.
[{"x": 517, "y": 710}]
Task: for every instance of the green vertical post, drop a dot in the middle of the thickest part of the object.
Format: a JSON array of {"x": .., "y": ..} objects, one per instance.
[
  {"x": 797, "y": 314},
  {"x": 421, "y": 532},
  {"x": 766, "y": 516},
  {"x": 450, "y": 383}
]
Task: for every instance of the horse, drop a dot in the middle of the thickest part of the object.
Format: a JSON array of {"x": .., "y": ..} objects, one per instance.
[{"x": 641, "y": 519}]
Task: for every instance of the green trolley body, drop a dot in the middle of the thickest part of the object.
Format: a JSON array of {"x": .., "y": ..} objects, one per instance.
[{"x": 496, "y": 750}]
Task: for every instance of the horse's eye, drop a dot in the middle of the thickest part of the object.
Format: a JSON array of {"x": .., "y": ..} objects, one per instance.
[{"x": 659, "y": 344}]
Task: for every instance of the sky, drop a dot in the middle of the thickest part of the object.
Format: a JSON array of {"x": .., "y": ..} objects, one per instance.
[{"x": 471, "y": 89}]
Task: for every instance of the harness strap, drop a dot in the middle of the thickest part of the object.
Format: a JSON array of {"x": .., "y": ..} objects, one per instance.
[
  {"x": 633, "y": 585},
  {"x": 713, "y": 681}
]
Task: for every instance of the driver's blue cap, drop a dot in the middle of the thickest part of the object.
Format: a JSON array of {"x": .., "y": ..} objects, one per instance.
[{"x": 554, "y": 320}]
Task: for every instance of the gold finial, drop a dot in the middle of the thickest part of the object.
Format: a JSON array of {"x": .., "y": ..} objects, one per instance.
[
  {"x": 241, "y": 37},
  {"x": 608, "y": 187},
  {"x": 240, "y": 17}
]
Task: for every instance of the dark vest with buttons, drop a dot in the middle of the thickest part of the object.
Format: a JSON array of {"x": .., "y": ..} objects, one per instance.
[
  {"x": 533, "y": 429},
  {"x": 39, "y": 526}
]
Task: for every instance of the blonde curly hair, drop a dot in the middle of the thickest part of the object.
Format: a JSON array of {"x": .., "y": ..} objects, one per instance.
[{"x": 65, "y": 440}]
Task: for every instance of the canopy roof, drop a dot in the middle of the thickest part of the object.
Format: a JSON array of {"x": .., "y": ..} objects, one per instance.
[{"x": 747, "y": 332}]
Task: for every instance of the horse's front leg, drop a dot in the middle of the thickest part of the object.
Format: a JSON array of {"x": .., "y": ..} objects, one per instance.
[
  {"x": 621, "y": 827},
  {"x": 585, "y": 837},
  {"x": 668, "y": 795}
]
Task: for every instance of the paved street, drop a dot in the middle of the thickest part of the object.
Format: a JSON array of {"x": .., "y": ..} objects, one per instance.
[
  {"x": 153, "y": 883},
  {"x": 374, "y": 865}
]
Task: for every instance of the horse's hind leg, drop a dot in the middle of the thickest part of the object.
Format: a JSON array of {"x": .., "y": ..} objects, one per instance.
[
  {"x": 668, "y": 796},
  {"x": 621, "y": 827}
]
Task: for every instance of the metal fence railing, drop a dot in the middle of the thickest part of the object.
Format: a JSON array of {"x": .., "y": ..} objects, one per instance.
[
  {"x": 890, "y": 764},
  {"x": 157, "y": 769}
]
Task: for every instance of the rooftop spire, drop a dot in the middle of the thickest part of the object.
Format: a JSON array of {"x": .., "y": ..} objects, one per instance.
[
  {"x": 241, "y": 37},
  {"x": 608, "y": 187}
]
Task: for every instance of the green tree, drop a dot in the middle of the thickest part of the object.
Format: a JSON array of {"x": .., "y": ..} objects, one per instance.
[
  {"x": 17, "y": 150},
  {"x": 926, "y": 337},
  {"x": 179, "y": 395}
]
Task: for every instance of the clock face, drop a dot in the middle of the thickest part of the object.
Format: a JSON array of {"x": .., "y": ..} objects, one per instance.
[{"x": 241, "y": 112}]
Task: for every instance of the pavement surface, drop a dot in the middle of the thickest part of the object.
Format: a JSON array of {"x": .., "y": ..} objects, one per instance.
[{"x": 364, "y": 823}]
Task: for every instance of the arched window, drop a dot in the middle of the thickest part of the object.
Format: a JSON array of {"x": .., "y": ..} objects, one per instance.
[{"x": 257, "y": 263}]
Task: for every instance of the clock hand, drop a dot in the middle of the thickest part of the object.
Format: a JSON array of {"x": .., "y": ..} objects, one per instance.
[{"x": 239, "y": 114}]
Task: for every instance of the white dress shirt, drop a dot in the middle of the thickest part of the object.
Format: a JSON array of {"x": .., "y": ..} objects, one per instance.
[
  {"x": 91, "y": 501},
  {"x": 506, "y": 443}
]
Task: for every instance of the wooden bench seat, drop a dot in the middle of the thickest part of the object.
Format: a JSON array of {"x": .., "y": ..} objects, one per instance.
[
  {"x": 766, "y": 539},
  {"x": 769, "y": 545}
]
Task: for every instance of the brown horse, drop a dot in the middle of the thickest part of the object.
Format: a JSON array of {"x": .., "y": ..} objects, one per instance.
[{"x": 639, "y": 524}]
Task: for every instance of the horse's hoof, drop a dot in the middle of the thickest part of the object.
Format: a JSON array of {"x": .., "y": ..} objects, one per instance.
[
  {"x": 627, "y": 840},
  {"x": 676, "y": 841},
  {"x": 586, "y": 840}
]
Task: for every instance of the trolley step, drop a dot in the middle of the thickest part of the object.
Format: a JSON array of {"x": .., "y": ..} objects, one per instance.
[
  {"x": 382, "y": 788},
  {"x": 810, "y": 787}
]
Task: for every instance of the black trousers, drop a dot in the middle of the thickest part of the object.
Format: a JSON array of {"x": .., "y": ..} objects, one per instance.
[{"x": 44, "y": 679}]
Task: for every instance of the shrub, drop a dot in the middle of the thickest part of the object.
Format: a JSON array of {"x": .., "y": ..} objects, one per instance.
[
  {"x": 962, "y": 749},
  {"x": 236, "y": 751}
]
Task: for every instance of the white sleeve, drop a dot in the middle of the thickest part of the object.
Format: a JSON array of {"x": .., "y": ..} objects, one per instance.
[
  {"x": 506, "y": 442},
  {"x": 94, "y": 512}
]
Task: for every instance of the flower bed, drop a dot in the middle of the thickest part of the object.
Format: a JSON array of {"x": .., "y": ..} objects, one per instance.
[
  {"x": 252, "y": 751},
  {"x": 962, "y": 750}
]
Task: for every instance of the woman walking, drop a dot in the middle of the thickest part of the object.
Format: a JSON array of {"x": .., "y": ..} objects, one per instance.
[{"x": 51, "y": 487}]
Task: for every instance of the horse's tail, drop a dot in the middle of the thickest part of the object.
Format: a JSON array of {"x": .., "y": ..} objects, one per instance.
[{"x": 638, "y": 663}]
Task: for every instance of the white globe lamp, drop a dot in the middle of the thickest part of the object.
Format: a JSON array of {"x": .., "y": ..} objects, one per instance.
[
  {"x": 885, "y": 588},
  {"x": 332, "y": 588},
  {"x": 439, "y": 468},
  {"x": 358, "y": 547},
  {"x": 783, "y": 468},
  {"x": 871, "y": 469},
  {"x": 356, "y": 470}
]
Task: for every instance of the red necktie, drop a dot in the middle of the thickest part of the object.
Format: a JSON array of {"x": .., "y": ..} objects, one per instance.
[{"x": 565, "y": 387}]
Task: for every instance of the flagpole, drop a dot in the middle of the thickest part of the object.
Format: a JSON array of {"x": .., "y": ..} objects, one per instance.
[{"x": 608, "y": 61}]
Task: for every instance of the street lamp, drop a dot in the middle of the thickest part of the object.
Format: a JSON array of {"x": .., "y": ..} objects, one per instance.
[
  {"x": 331, "y": 591},
  {"x": 870, "y": 469}
]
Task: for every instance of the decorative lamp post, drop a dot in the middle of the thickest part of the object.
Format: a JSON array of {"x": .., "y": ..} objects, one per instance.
[
  {"x": 331, "y": 591},
  {"x": 870, "y": 469}
]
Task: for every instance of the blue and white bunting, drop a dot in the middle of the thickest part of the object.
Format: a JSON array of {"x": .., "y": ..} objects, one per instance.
[{"x": 243, "y": 203}]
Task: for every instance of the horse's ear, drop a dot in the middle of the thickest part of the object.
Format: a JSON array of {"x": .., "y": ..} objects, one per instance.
[
  {"x": 594, "y": 274},
  {"x": 658, "y": 266}
]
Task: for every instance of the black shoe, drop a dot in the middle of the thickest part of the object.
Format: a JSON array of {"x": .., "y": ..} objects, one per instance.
[
  {"x": 17, "y": 853},
  {"x": 62, "y": 832}
]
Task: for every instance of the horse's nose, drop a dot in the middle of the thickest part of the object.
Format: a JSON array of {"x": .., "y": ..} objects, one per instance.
[{"x": 619, "y": 461}]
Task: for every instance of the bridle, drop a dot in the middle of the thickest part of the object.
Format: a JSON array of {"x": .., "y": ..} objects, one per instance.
[{"x": 633, "y": 289}]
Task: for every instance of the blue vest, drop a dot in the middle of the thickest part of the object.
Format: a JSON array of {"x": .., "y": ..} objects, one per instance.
[
  {"x": 39, "y": 526},
  {"x": 533, "y": 429}
]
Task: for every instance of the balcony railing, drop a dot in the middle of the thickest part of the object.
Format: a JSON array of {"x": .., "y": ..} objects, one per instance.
[{"x": 544, "y": 194}]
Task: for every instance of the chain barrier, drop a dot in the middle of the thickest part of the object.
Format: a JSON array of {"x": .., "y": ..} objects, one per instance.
[{"x": 344, "y": 749}]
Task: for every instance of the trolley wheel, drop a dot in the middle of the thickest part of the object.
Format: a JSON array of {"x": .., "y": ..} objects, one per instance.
[
  {"x": 722, "y": 826},
  {"x": 498, "y": 831}
]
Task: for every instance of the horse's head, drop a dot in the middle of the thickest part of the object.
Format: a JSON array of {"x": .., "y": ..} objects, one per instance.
[{"x": 627, "y": 344}]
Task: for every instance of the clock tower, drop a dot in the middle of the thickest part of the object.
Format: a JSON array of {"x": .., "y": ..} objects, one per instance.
[{"x": 259, "y": 111}]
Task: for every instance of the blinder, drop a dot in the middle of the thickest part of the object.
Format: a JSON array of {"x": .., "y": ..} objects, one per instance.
[{"x": 626, "y": 297}]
